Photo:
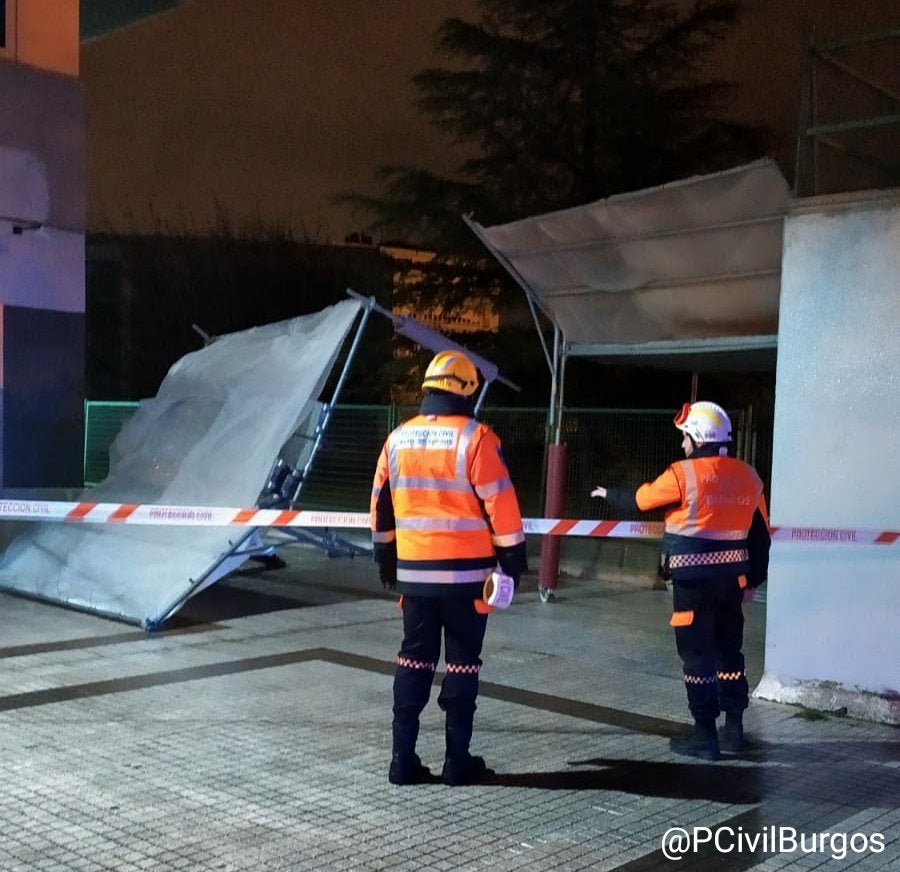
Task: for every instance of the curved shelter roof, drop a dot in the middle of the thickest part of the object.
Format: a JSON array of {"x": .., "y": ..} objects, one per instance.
[{"x": 686, "y": 274}]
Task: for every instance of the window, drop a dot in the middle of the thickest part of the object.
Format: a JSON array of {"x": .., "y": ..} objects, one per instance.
[{"x": 8, "y": 29}]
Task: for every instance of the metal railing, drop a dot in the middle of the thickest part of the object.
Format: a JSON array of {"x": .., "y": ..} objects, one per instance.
[{"x": 849, "y": 115}]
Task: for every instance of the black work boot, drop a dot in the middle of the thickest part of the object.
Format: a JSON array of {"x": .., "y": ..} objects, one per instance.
[
  {"x": 406, "y": 767},
  {"x": 731, "y": 736},
  {"x": 703, "y": 742},
  {"x": 464, "y": 770},
  {"x": 460, "y": 767}
]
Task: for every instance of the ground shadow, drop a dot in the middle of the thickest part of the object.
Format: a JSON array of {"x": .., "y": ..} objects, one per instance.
[
  {"x": 257, "y": 590},
  {"x": 856, "y": 775},
  {"x": 694, "y": 780},
  {"x": 223, "y": 601}
]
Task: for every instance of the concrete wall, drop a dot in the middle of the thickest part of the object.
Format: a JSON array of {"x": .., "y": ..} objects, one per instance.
[
  {"x": 832, "y": 634},
  {"x": 42, "y": 274}
]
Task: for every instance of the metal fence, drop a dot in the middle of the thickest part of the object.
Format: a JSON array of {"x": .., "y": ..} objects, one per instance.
[
  {"x": 622, "y": 447},
  {"x": 103, "y": 419}
]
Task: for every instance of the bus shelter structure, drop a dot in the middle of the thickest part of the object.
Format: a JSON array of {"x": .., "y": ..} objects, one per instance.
[
  {"x": 237, "y": 423},
  {"x": 683, "y": 276}
]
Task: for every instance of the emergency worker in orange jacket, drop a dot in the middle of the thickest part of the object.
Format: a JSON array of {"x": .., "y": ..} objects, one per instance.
[
  {"x": 444, "y": 514},
  {"x": 715, "y": 550}
]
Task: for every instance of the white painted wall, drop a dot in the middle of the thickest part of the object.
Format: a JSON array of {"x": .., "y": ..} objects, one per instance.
[
  {"x": 833, "y": 637},
  {"x": 42, "y": 262},
  {"x": 42, "y": 269}
]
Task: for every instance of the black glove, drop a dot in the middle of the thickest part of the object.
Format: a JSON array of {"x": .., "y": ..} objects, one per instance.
[
  {"x": 513, "y": 561},
  {"x": 386, "y": 558},
  {"x": 758, "y": 545},
  {"x": 388, "y": 574}
]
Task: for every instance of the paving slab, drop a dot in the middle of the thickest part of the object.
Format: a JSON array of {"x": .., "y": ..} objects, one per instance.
[{"x": 253, "y": 733}]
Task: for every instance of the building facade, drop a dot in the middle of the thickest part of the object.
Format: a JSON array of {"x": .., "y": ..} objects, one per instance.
[{"x": 42, "y": 224}]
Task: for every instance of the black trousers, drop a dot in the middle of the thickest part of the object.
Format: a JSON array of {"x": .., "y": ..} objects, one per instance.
[
  {"x": 710, "y": 642},
  {"x": 425, "y": 621}
]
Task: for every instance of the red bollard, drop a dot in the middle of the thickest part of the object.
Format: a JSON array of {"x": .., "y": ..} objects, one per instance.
[{"x": 554, "y": 506}]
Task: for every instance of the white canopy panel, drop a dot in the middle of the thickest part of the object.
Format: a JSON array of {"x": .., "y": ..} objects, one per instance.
[
  {"x": 208, "y": 438},
  {"x": 687, "y": 262}
]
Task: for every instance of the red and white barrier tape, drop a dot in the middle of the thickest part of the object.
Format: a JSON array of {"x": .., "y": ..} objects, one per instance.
[
  {"x": 175, "y": 516},
  {"x": 610, "y": 529},
  {"x": 655, "y": 529},
  {"x": 835, "y": 535},
  {"x": 223, "y": 516}
]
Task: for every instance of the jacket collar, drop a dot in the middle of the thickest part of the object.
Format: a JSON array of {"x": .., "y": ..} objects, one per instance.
[{"x": 443, "y": 403}]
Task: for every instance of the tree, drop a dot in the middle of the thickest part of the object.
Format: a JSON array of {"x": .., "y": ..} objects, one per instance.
[
  {"x": 563, "y": 102},
  {"x": 558, "y": 103}
]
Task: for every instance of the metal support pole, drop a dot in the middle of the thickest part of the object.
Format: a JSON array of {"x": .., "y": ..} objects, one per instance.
[
  {"x": 325, "y": 415},
  {"x": 481, "y": 397},
  {"x": 554, "y": 507},
  {"x": 557, "y": 456},
  {"x": 234, "y": 549},
  {"x": 504, "y": 261},
  {"x": 434, "y": 341},
  {"x": 153, "y": 624}
]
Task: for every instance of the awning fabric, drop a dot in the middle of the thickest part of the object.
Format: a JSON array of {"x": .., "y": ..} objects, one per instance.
[
  {"x": 208, "y": 438},
  {"x": 690, "y": 266}
]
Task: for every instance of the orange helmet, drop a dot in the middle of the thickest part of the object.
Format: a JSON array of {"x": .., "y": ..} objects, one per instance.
[
  {"x": 453, "y": 372},
  {"x": 704, "y": 422}
]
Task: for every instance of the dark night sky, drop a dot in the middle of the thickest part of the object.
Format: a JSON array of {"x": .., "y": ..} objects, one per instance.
[{"x": 268, "y": 107}]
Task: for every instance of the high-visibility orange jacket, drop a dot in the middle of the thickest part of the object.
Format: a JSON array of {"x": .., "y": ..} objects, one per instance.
[
  {"x": 712, "y": 502},
  {"x": 442, "y": 493}
]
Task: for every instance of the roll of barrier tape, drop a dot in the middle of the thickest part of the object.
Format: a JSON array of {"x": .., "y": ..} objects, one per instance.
[{"x": 498, "y": 590}]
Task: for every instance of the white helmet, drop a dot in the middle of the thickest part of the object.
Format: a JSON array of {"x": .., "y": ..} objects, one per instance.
[{"x": 704, "y": 422}]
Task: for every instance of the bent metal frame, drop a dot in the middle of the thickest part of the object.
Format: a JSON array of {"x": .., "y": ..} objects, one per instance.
[{"x": 285, "y": 480}]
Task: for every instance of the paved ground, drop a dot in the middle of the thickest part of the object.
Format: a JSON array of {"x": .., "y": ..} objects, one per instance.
[{"x": 254, "y": 735}]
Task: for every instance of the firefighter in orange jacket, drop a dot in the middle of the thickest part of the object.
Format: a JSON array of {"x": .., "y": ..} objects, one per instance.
[
  {"x": 715, "y": 548},
  {"x": 444, "y": 513}
]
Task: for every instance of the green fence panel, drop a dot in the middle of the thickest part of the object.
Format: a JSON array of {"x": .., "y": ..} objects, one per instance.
[
  {"x": 102, "y": 422},
  {"x": 340, "y": 477},
  {"x": 620, "y": 447},
  {"x": 614, "y": 447},
  {"x": 523, "y": 433}
]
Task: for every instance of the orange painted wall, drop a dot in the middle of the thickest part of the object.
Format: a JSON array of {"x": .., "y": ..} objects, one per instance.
[{"x": 44, "y": 34}]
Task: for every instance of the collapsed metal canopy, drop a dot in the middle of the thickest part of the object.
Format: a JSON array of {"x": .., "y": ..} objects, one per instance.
[{"x": 684, "y": 275}]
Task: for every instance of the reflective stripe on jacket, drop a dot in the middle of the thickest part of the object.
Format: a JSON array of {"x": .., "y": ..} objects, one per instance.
[
  {"x": 443, "y": 492},
  {"x": 710, "y": 506}
]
